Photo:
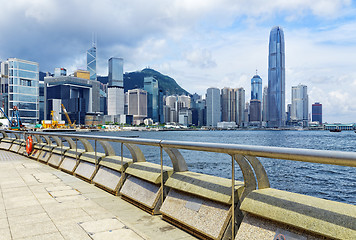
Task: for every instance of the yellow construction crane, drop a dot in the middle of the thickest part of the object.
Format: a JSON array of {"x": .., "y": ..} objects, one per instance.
[
  {"x": 67, "y": 116},
  {"x": 54, "y": 123}
]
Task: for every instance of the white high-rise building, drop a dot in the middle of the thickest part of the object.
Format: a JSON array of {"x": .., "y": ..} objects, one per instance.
[
  {"x": 213, "y": 107},
  {"x": 183, "y": 102},
  {"x": 299, "y": 109},
  {"x": 171, "y": 101},
  {"x": 137, "y": 104},
  {"x": 116, "y": 100}
]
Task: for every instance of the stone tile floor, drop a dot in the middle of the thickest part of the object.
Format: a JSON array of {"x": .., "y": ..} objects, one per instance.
[{"x": 40, "y": 202}]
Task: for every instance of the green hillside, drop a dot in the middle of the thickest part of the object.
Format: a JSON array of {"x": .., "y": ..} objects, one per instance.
[{"x": 166, "y": 84}]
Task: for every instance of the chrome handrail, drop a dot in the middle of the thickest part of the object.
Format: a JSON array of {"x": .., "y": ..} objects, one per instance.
[{"x": 297, "y": 154}]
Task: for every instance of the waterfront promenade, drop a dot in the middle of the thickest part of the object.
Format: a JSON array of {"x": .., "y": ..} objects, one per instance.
[{"x": 40, "y": 202}]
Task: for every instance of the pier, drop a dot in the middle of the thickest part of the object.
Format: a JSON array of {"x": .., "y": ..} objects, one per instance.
[{"x": 66, "y": 188}]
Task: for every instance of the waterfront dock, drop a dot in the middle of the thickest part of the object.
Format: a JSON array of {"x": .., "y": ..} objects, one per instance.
[
  {"x": 40, "y": 202},
  {"x": 62, "y": 186}
]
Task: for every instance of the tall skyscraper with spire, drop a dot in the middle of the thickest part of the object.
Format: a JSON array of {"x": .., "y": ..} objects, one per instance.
[
  {"x": 276, "y": 79},
  {"x": 91, "y": 60},
  {"x": 256, "y": 87}
]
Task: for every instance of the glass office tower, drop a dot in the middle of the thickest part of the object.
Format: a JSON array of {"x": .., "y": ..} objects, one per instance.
[
  {"x": 317, "y": 112},
  {"x": 116, "y": 72},
  {"x": 151, "y": 86},
  {"x": 23, "y": 90},
  {"x": 299, "y": 107},
  {"x": 276, "y": 79},
  {"x": 256, "y": 88},
  {"x": 91, "y": 62}
]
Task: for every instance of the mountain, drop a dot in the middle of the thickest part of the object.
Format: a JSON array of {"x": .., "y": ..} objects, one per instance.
[{"x": 166, "y": 84}]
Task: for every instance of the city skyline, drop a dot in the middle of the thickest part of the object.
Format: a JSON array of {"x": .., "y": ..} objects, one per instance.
[{"x": 216, "y": 44}]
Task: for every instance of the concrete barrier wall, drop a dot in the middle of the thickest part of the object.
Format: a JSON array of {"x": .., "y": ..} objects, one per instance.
[
  {"x": 37, "y": 148},
  {"x": 143, "y": 185},
  {"x": 111, "y": 173},
  {"x": 6, "y": 143},
  {"x": 22, "y": 149},
  {"x": 57, "y": 156},
  {"x": 201, "y": 204},
  {"x": 15, "y": 147},
  {"x": 87, "y": 167},
  {"x": 270, "y": 213},
  {"x": 45, "y": 153},
  {"x": 71, "y": 160}
]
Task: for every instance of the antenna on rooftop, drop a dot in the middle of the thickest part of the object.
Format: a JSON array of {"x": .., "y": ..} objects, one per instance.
[
  {"x": 94, "y": 39},
  {"x": 256, "y": 71}
]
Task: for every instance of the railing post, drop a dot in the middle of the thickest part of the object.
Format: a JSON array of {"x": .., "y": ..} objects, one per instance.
[
  {"x": 233, "y": 196},
  {"x": 161, "y": 155},
  {"x": 122, "y": 158},
  {"x": 95, "y": 153},
  {"x": 61, "y": 149},
  {"x": 76, "y": 150}
]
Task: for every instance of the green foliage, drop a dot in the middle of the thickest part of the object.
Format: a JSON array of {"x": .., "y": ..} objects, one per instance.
[{"x": 166, "y": 84}]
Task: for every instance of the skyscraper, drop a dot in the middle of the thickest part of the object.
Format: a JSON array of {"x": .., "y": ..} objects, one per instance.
[
  {"x": 171, "y": 112},
  {"x": 255, "y": 110},
  {"x": 276, "y": 79},
  {"x": 264, "y": 104},
  {"x": 183, "y": 102},
  {"x": 151, "y": 86},
  {"x": 299, "y": 108},
  {"x": 116, "y": 72},
  {"x": 115, "y": 92},
  {"x": 20, "y": 87},
  {"x": 213, "y": 110},
  {"x": 115, "y": 101},
  {"x": 91, "y": 61},
  {"x": 137, "y": 104},
  {"x": 256, "y": 88},
  {"x": 240, "y": 106},
  {"x": 228, "y": 105},
  {"x": 317, "y": 112}
]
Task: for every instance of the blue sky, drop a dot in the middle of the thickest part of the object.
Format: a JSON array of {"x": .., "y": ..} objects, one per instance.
[{"x": 200, "y": 43}]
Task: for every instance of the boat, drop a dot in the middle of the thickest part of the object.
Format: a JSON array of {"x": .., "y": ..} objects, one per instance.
[{"x": 335, "y": 130}]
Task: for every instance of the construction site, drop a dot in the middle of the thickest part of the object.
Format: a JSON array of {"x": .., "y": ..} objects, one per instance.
[{"x": 14, "y": 122}]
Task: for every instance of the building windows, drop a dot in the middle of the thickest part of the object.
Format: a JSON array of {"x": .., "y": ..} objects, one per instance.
[{"x": 23, "y": 89}]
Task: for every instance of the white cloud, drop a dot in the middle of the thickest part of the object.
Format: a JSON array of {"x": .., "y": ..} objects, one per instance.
[{"x": 201, "y": 58}]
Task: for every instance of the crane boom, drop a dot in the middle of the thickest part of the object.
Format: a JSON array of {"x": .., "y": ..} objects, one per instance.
[
  {"x": 6, "y": 116},
  {"x": 67, "y": 116},
  {"x": 15, "y": 121}
]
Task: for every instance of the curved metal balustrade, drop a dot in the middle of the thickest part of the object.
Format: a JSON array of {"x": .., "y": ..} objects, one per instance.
[{"x": 254, "y": 174}]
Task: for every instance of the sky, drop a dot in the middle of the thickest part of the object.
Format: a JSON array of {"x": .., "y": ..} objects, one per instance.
[{"x": 199, "y": 43}]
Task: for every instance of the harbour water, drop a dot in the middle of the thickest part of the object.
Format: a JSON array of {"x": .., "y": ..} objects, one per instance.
[{"x": 324, "y": 181}]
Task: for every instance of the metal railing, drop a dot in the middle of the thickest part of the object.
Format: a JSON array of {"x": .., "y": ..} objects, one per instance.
[{"x": 244, "y": 155}]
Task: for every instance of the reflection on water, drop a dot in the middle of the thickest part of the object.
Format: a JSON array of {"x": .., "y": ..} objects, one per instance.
[{"x": 324, "y": 181}]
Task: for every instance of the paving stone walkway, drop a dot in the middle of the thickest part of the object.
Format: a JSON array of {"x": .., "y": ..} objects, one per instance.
[{"x": 40, "y": 202}]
